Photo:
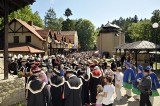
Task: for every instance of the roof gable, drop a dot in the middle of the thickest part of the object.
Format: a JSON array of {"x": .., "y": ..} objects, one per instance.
[{"x": 27, "y": 26}]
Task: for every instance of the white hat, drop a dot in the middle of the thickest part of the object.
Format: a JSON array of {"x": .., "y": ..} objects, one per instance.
[
  {"x": 53, "y": 56},
  {"x": 1, "y": 55},
  {"x": 39, "y": 59},
  {"x": 12, "y": 59},
  {"x": 10, "y": 55},
  {"x": 25, "y": 57},
  {"x": 14, "y": 56},
  {"x": 96, "y": 68},
  {"x": 62, "y": 56}
]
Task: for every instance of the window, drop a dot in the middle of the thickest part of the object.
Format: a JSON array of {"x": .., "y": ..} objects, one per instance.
[
  {"x": 28, "y": 39},
  {"x": 16, "y": 39}
]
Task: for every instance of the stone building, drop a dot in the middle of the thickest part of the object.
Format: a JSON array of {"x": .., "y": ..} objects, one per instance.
[{"x": 110, "y": 36}]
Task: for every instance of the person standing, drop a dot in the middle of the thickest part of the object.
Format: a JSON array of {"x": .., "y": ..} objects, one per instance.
[
  {"x": 139, "y": 76},
  {"x": 72, "y": 89},
  {"x": 82, "y": 73},
  {"x": 99, "y": 98},
  {"x": 128, "y": 79},
  {"x": 108, "y": 92},
  {"x": 95, "y": 79},
  {"x": 57, "y": 86},
  {"x": 155, "y": 84},
  {"x": 118, "y": 83},
  {"x": 145, "y": 87},
  {"x": 38, "y": 94},
  {"x": 13, "y": 67}
]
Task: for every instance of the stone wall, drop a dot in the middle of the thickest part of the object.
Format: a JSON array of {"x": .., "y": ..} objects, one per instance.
[{"x": 12, "y": 91}]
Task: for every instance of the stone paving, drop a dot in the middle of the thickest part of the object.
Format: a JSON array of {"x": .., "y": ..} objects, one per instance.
[{"x": 132, "y": 102}]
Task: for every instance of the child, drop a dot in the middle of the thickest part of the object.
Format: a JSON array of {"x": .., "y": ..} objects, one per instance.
[
  {"x": 118, "y": 83},
  {"x": 99, "y": 98}
]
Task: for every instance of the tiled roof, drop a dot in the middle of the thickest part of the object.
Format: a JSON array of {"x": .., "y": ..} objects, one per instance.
[
  {"x": 30, "y": 28},
  {"x": 143, "y": 45},
  {"x": 22, "y": 47},
  {"x": 68, "y": 32},
  {"x": 112, "y": 25},
  {"x": 69, "y": 35},
  {"x": 43, "y": 33}
]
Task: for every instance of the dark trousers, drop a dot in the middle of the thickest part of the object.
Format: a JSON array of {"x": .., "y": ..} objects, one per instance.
[
  {"x": 107, "y": 105},
  {"x": 144, "y": 100}
]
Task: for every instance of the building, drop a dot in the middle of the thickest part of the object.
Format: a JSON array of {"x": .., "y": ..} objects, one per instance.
[
  {"x": 110, "y": 36},
  {"x": 26, "y": 38},
  {"x": 64, "y": 41},
  {"x": 23, "y": 38}
]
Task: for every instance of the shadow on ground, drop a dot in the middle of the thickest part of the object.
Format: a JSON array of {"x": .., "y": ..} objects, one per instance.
[{"x": 126, "y": 102}]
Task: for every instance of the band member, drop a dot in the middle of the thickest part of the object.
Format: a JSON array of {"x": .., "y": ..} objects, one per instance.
[
  {"x": 139, "y": 76},
  {"x": 95, "y": 79},
  {"x": 57, "y": 86},
  {"x": 128, "y": 79},
  {"x": 72, "y": 89},
  {"x": 145, "y": 87},
  {"x": 155, "y": 84},
  {"x": 85, "y": 87},
  {"x": 38, "y": 94},
  {"x": 13, "y": 67}
]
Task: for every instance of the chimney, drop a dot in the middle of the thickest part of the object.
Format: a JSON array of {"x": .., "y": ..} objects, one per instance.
[{"x": 30, "y": 23}]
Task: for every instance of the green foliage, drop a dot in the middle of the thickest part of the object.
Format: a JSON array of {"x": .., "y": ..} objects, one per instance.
[
  {"x": 68, "y": 13},
  {"x": 26, "y": 15},
  {"x": 140, "y": 30},
  {"x": 68, "y": 25},
  {"x": 86, "y": 34},
  {"x": 51, "y": 22},
  {"x": 156, "y": 16},
  {"x": 156, "y": 32}
]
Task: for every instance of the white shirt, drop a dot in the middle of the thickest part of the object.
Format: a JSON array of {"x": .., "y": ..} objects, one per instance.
[
  {"x": 99, "y": 99},
  {"x": 109, "y": 89},
  {"x": 119, "y": 78}
]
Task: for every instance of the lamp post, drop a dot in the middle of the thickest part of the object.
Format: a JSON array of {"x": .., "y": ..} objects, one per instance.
[{"x": 155, "y": 26}]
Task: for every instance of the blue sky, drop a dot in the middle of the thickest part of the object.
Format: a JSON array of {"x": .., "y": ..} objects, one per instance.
[{"x": 98, "y": 11}]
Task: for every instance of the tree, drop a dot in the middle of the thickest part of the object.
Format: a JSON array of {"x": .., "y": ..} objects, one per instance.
[
  {"x": 68, "y": 25},
  {"x": 25, "y": 14},
  {"x": 156, "y": 18},
  {"x": 86, "y": 34},
  {"x": 51, "y": 22},
  {"x": 140, "y": 30},
  {"x": 37, "y": 19},
  {"x": 68, "y": 13},
  {"x": 50, "y": 19},
  {"x": 59, "y": 24},
  {"x": 135, "y": 19}
]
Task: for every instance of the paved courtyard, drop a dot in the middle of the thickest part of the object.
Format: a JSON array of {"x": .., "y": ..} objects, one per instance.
[{"x": 132, "y": 102}]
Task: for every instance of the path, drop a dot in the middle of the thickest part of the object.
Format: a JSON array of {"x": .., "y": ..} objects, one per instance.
[{"x": 132, "y": 102}]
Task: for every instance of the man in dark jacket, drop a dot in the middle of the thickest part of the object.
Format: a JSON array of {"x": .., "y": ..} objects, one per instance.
[
  {"x": 13, "y": 67},
  {"x": 145, "y": 88},
  {"x": 72, "y": 89}
]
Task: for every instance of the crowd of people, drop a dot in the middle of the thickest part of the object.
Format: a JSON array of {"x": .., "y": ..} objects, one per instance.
[{"x": 82, "y": 79}]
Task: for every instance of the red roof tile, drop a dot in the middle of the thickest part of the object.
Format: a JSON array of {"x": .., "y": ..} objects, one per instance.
[
  {"x": 44, "y": 33},
  {"x": 19, "y": 47}
]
